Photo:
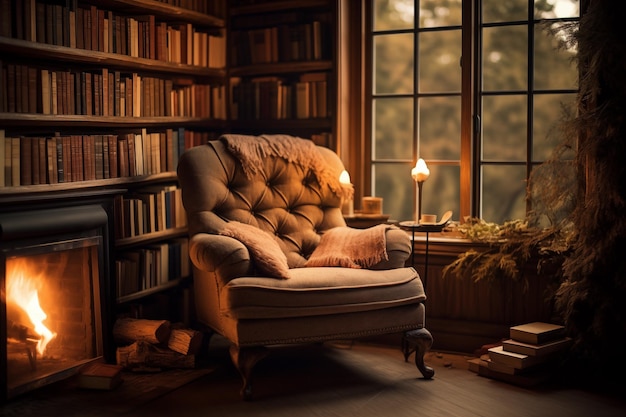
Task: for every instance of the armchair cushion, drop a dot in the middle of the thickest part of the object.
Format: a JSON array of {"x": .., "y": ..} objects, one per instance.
[
  {"x": 267, "y": 255},
  {"x": 320, "y": 291}
]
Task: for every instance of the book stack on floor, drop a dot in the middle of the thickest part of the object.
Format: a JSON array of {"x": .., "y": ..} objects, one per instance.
[{"x": 527, "y": 358}]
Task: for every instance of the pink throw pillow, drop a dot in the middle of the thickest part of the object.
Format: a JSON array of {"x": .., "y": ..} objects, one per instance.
[{"x": 265, "y": 251}]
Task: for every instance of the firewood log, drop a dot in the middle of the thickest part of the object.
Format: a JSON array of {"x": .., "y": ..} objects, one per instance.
[
  {"x": 132, "y": 330},
  {"x": 185, "y": 341},
  {"x": 145, "y": 355}
]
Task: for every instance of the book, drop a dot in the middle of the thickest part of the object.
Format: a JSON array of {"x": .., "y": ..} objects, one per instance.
[
  {"x": 536, "y": 332},
  {"x": 512, "y": 370},
  {"x": 530, "y": 349},
  {"x": 526, "y": 379},
  {"x": 515, "y": 360},
  {"x": 98, "y": 375}
]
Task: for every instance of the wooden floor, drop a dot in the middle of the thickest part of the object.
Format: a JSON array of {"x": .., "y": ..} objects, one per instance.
[
  {"x": 373, "y": 381},
  {"x": 338, "y": 379}
]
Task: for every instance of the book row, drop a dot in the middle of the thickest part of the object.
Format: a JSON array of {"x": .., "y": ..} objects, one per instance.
[
  {"x": 28, "y": 89},
  {"x": 26, "y": 160},
  {"x": 150, "y": 210},
  {"x": 276, "y": 98},
  {"x": 95, "y": 29},
  {"x": 283, "y": 43},
  {"x": 151, "y": 266}
]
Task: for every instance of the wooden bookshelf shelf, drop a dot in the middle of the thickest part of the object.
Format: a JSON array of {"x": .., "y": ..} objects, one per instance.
[
  {"x": 281, "y": 68},
  {"x": 148, "y": 238},
  {"x": 97, "y": 59},
  {"x": 288, "y": 124},
  {"x": 163, "y": 10},
  {"x": 154, "y": 290},
  {"x": 275, "y": 6},
  {"x": 28, "y": 121},
  {"x": 120, "y": 185}
]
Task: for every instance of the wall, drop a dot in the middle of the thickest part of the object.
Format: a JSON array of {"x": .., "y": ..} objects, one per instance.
[{"x": 463, "y": 315}]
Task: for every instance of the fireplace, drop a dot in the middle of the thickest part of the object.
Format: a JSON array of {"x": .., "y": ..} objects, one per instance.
[{"x": 53, "y": 302}]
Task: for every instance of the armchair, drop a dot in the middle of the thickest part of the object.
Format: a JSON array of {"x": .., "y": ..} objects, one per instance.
[{"x": 258, "y": 208}]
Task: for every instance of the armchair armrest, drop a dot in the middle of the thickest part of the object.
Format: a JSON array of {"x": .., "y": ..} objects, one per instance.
[
  {"x": 398, "y": 249},
  {"x": 228, "y": 258}
]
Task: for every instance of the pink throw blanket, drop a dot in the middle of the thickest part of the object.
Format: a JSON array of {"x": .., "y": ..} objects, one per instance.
[
  {"x": 252, "y": 150},
  {"x": 351, "y": 248}
]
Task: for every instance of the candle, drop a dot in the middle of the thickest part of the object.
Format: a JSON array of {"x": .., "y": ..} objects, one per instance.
[
  {"x": 420, "y": 173},
  {"x": 347, "y": 203}
]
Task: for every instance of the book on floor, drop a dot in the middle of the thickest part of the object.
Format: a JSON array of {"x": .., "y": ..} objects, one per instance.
[
  {"x": 506, "y": 369},
  {"x": 531, "y": 378},
  {"x": 98, "y": 375},
  {"x": 536, "y": 332},
  {"x": 515, "y": 360},
  {"x": 532, "y": 349}
]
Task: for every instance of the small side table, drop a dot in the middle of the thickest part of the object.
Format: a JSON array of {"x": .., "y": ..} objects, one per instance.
[
  {"x": 422, "y": 228},
  {"x": 363, "y": 221}
]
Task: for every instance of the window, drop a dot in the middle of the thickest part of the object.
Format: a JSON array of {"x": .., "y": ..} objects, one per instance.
[{"x": 510, "y": 93}]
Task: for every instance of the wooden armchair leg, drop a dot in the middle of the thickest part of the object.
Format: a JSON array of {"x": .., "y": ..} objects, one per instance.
[
  {"x": 418, "y": 341},
  {"x": 244, "y": 360}
]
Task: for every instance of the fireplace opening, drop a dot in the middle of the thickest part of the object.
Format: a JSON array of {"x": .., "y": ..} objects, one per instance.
[{"x": 52, "y": 310}]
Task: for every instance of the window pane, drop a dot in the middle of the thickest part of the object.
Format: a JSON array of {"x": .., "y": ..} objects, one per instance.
[
  {"x": 548, "y": 113},
  {"x": 504, "y": 128},
  {"x": 393, "y": 128},
  {"x": 393, "y": 14},
  {"x": 439, "y": 61},
  {"x": 393, "y": 182},
  {"x": 504, "y": 11},
  {"x": 555, "y": 67},
  {"x": 505, "y": 58},
  {"x": 503, "y": 192},
  {"x": 552, "y": 191},
  {"x": 393, "y": 64},
  {"x": 556, "y": 9},
  {"x": 438, "y": 13},
  {"x": 440, "y": 128},
  {"x": 441, "y": 191}
]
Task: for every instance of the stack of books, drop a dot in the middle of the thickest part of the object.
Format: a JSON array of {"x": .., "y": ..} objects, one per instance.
[{"x": 528, "y": 357}]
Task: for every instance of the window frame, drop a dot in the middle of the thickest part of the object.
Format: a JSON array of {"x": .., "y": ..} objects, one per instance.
[{"x": 471, "y": 161}]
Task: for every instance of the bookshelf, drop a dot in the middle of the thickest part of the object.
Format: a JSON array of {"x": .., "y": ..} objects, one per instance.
[
  {"x": 106, "y": 95},
  {"x": 282, "y": 68}
]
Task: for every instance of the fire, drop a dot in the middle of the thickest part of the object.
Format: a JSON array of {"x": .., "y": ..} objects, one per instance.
[{"x": 22, "y": 292}]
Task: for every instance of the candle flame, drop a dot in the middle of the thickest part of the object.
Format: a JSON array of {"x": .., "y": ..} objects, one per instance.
[
  {"x": 420, "y": 172},
  {"x": 344, "y": 177}
]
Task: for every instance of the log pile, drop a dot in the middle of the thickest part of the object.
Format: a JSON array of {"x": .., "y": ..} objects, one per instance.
[{"x": 152, "y": 345}]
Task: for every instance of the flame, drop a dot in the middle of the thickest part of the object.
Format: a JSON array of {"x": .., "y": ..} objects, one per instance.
[
  {"x": 22, "y": 292},
  {"x": 421, "y": 172},
  {"x": 344, "y": 177}
]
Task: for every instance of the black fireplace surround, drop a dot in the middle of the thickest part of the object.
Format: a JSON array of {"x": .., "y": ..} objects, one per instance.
[{"x": 70, "y": 238}]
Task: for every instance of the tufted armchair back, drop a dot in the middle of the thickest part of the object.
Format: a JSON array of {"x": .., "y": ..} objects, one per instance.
[{"x": 282, "y": 198}]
